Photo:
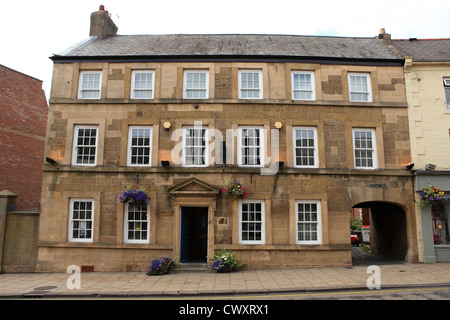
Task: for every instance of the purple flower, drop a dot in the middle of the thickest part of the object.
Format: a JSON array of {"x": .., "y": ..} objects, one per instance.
[
  {"x": 156, "y": 264},
  {"x": 136, "y": 195},
  {"x": 219, "y": 265}
]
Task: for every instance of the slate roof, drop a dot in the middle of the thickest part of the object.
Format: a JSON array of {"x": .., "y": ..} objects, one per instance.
[
  {"x": 424, "y": 49},
  {"x": 182, "y": 45}
]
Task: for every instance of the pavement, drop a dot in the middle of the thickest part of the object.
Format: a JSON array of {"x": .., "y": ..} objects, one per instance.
[{"x": 174, "y": 285}]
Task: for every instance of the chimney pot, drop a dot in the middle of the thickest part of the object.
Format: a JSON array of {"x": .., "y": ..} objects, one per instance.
[{"x": 102, "y": 8}]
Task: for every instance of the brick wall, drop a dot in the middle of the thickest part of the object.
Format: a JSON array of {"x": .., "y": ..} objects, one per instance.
[{"x": 23, "y": 119}]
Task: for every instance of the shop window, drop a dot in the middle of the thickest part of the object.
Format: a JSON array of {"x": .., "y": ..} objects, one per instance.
[{"x": 440, "y": 224}]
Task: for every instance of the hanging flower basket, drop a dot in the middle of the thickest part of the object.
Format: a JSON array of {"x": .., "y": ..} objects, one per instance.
[
  {"x": 136, "y": 195},
  {"x": 432, "y": 196},
  {"x": 234, "y": 188}
]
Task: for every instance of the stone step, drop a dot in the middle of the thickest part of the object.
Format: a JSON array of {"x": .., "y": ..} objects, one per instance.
[{"x": 192, "y": 267}]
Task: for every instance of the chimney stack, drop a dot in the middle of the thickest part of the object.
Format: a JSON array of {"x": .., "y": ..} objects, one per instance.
[
  {"x": 384, "y": 37},
  {"x": 102, "y": 25}
]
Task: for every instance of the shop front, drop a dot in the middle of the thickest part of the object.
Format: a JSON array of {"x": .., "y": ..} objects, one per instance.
[{"x": 433, "y": 191}]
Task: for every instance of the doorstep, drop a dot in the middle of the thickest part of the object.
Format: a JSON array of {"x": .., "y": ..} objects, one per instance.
[{"x": 191, "y": 267}]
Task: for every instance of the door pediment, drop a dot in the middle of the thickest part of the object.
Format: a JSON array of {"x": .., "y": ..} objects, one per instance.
[{"x": 192, "y": 187}]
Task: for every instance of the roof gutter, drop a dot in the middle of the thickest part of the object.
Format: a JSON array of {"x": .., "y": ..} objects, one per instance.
[{"x": 228, "y": 58}]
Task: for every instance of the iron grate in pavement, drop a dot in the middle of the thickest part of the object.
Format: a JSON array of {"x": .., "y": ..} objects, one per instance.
[
  {"x": 39, "y": 291},
  {"x": 35, "y": 293},
  {"x": 46, "y": 288}
]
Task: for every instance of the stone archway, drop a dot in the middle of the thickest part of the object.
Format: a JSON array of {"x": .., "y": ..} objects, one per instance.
[{"x": 388, "y": 231}]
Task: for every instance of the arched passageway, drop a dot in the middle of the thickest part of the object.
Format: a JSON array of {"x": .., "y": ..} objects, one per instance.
[{"x": 388, "y": 235}]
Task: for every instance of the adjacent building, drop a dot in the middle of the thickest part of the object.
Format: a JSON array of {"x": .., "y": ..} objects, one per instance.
[
  {"x": 427, "y": 76},
  {"x": 310, "y": 126},
  {"x": 23, "y": 120}
]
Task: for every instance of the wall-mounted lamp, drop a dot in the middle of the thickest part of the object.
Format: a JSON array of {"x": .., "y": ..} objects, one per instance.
[
  {"x": 278, "y": 125},
  {"x": 409, "y": 166},
  {"x": 166, "y": 125},
  {"x": 51, "y": 161},
  {"x": 165, "y": 163},
  {"x": 430, "y": 166}
]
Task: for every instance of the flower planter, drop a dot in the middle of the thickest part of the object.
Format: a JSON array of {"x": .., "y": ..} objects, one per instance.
[{"x": 224, "y": 261}]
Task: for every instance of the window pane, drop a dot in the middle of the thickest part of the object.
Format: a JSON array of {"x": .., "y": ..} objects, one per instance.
[
  {"x": 364, "y": 148},
  {"x": 143, "y": 85},
  {"x": 359, "y": 88},
  {"x": 81, "y": 220},
  {"x": 196, "y": 85},
  {"x": 195, "y": 147},
  {"x": 137, "y": 222},
  {"x": 447, "y": 96},
  {"x": 90, "y": 86},
  {"x": 251, "y": 144},
  {"x": 140, "y": 146},
  {"x": 305, "y": 147},
  {"x": 251, "y": 222},
  {"x": 307, "y": 222},
  {"x": 86, "y": 144},
  {"x": 250, "y": 84},
  {"x": 302, "y": 86}
]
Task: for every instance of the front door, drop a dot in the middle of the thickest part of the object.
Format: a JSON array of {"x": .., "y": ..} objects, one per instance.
[{"x": 194, "y": 234}]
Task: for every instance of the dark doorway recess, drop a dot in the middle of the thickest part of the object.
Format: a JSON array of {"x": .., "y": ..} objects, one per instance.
[
  {"x": 194, "y": 234},
  {"x": 388, "y": 234}
]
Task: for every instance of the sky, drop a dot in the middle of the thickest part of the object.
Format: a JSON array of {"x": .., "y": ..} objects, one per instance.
[{"x": 32, "y": 31}]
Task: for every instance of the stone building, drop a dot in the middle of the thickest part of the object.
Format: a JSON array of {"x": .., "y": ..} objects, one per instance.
[
  {"x": 427, "y": 76},
  {"x": 310, "y": 126}
]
